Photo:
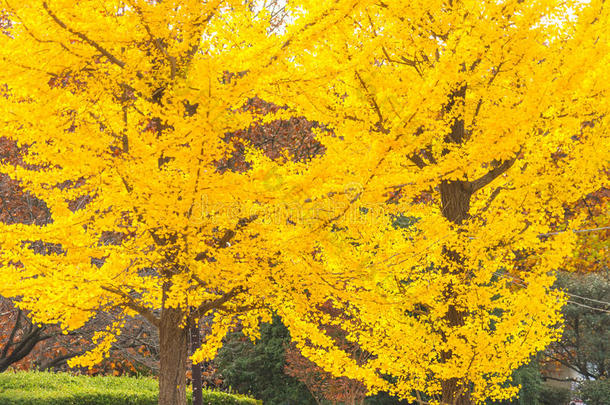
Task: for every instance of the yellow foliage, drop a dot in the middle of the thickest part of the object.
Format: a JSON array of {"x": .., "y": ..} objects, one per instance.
[{"x": 476, "y": 122}]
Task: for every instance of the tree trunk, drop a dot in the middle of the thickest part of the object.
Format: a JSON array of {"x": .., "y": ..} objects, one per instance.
[
  {"x": 173, "y": 342},
  {"x": 455, "y": 200},
  {"x": 453, "y": 394},
  {"x": 196, "y": 368}
]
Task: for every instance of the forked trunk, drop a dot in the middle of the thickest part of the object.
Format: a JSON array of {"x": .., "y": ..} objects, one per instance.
[{"x": 173, "y": 341}]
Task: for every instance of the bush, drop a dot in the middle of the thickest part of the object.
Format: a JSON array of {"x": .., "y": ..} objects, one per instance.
[
  {"x": 36, "y": 388},
  {"x": 553, "y": 395},
  {"x": 595, "y": 392}
]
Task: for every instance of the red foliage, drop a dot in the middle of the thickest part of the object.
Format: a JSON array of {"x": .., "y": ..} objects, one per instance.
[
  {"x": 322, "y": 384},
  {"x": 293, "y": 137},
  {"x": 17, "y": 205}
]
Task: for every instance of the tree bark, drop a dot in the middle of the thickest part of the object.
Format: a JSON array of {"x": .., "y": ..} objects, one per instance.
[
  {"x": 455, "y": 200},
  {"x": 196, "y": 368},
  {"x": 173, "y": 342},
  {"x": 454, "y": 394}
]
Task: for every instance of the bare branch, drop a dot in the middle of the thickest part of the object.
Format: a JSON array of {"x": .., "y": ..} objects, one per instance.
[
  {"x": 57, "y": 361},
  {"x": 26, "y": 344}
]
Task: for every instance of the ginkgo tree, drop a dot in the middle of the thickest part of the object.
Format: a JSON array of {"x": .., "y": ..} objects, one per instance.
[
  {"x": 452, "y": 134},
  {"x": 457, "y": 133},
  {"x": 124, "y": 110}
]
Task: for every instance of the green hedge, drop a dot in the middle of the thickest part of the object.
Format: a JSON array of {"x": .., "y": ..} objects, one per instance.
[{"x": 35, "y": 388}]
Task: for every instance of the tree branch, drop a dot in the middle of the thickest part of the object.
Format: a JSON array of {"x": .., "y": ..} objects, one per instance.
[
  {"x": 157, "y": 42},
  {"x": 24, "y": 347},
  {"x": 131, "y": 303},
  {"x": 491, "y": 198},
  {"x": 417, "y": 160},
  {"x": 567, "y": 379},
  {"x": 490, "y": 176},
  {"x": 85, "y": 38},
  {"x": 198, "y": 34},
  {"x": 229, "y": 234},
  {"x": 217, "y": 303},
  {"x": 57, "y": 361},
  {"x": 372, "y": 101}
]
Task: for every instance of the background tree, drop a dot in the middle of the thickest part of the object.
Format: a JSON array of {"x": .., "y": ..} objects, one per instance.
[
  {"x": 257, "y": 368},
  {"x": 583, "y": 346},
  {"x": 27, "y": 346},
  {"x": 18, "y": 335}
]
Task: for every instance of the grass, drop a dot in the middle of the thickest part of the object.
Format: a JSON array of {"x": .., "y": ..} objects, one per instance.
[{"x": 37, "y": 388}]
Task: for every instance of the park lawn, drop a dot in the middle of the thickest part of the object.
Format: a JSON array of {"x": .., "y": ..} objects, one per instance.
[{"x": 38, "y": 388}]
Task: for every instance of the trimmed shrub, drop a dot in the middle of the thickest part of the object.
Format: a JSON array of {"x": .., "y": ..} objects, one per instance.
[{"x": 34, "y": 388}]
